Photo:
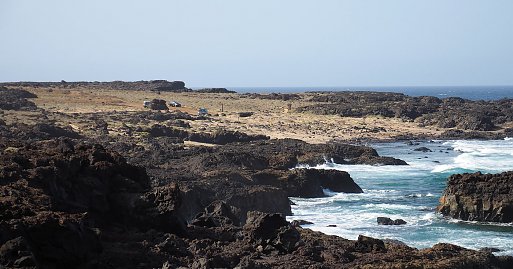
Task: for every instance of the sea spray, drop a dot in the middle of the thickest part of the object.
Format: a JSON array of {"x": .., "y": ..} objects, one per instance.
[{"x": 411, "y": 193}]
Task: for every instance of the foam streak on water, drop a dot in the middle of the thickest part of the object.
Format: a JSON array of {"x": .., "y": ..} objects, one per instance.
[{"x": 411, "y": 193}]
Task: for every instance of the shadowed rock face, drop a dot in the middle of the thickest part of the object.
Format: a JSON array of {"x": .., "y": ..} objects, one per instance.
[
  {"x": 223, "y": 137},
  {"x": 14, "y": 99},
  {"x": 479, "y": 197},
  {"x": 308, "y": 183},
  {"x": 57, "y": 195}
]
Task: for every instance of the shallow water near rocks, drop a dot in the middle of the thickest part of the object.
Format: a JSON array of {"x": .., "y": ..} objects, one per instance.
[{"x": 412, "y": 193}]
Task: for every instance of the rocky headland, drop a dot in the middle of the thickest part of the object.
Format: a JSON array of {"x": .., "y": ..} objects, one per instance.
[
  {"x": 151, "y": 189},
  {"x": 479, "y": 197}
]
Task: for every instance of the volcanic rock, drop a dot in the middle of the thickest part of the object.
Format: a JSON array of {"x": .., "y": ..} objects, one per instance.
[
  {"x": 223, "y": 137},
  {"x": 215, "y": 90},
  {"x": 16, "y": 99},
  {"x": 389, "y": 221},
  {"x": 158, "y": 104},
  {"x": 272, "y": 230},
  {"x": 423, "y": 149},
  {"x": 479, "y": 197},
  {"x": 308, "y": 183}
]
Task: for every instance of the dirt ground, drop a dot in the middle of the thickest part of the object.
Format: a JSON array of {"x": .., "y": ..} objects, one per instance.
[{"x": 271, "y": 117}]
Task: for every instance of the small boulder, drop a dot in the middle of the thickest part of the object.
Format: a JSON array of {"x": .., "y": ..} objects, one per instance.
[
  {"x": 389, "y": 221},
  {"x": 298, "y": 223},
  {"x": 423, "y": 149}
]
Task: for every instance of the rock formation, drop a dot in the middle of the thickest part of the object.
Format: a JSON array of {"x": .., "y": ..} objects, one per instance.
[
  {"x": 389, "y": 221},
  {"x": 16, "y": 99},
  {"x": 479, "y": 197},
  {"x": 449, "y": 112}
]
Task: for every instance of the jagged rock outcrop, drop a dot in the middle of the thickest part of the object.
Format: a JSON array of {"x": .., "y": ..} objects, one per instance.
[
  {"x": 272, "y": 96},
  {"x": 308, "y": 183},
  {"x": 214, "y": 90},
  {"x": 57, "y": 195},
  {"x": 389, "y": 221},
  {"x": 169, "y": 86},
  {"x": 449, "y": 112},
  {"x": 158, "y": 104},
  {"x": 158, "y": 130},
  {"x": 223, "y": 137},
  {"x": 479, "y": 197},
  {"x": 152, "y": 85},
  {"x": 271, "y": 231},
  {"x": 16, "y": 99}
]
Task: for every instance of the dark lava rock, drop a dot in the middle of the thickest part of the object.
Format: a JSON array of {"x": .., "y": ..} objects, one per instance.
[
  {"x": 164, "y": 131},
  {"x": 222, "y": 137},
  {"x": 491, "y": 250},
  {"x": 272, "y": 230},
  {"x": 369, "y": 244},
  {"x": 272, "y": 96},
  {"x": 460, "y": 134},
  {"x": 423, "y": 149},
  {"x": 158, "y": 104},
  {"x": 389, "y": 221},
  {"x": 300, "y": 222},
  {"x": 479, "y": 197},
  {"x": 445, "y": 113},
  {"x": 53, "y": 131},
  {"x": 287, "y": 153},
  {"x": 57, "y": 195},
  {"x": 169, "y": 86},
  {"x": 245, "y": 114},
  {"x": 308, "y": 183},
  {"x": 217, "y": 214},
  {"x": 16, "y": 99},
  {"x": 215, "y": 90}
]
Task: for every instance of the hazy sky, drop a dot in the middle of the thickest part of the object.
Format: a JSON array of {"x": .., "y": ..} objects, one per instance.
[{"x": 222, "y": 43}]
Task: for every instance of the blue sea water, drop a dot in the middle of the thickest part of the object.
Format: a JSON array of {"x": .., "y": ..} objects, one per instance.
[
  {"x": 412, "y": 193},
  {"x": 467, "y": 92}
]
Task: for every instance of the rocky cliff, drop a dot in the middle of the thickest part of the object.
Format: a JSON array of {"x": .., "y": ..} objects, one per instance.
[{"x": 479, "y": 197}]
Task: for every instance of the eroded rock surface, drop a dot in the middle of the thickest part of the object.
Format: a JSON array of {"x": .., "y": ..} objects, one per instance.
[{"x": 479, "y": 197}]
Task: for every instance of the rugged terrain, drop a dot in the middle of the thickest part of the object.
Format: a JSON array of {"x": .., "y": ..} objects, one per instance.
[
  {"x": 479, "y": 197},
  {"x": 96, "y": 186},
  {"x": 315, "y": 117}
]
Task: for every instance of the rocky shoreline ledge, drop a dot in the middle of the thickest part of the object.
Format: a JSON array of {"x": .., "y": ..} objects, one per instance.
[
  {"x": 69, "y": 204},
  {"x": 479, "y": 197},
  {"x": 79, "y": 193}
]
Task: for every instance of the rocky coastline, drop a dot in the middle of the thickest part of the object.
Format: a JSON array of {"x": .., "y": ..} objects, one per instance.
[
  {"x": 140, "y": 195},
  {"x": 479, "y": 197}
]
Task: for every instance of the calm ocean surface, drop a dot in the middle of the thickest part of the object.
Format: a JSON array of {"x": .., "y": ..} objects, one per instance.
[{"x": 472, "y": 93}]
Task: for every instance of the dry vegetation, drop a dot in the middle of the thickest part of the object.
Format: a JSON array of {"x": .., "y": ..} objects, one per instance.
[{"x": 271, "y": 117}]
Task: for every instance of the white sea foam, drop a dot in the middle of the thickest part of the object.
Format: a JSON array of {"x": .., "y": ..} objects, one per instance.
[
  {"x": 486, "y": 156},
  {"x": 407, "y": 192}
]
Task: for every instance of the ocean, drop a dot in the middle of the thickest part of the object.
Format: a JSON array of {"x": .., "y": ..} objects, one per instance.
[
  {"x": 467, "y": 92},
  {"x": 412, "y": 193}
]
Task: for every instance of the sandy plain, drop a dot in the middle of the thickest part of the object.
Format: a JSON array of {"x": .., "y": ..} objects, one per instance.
[{"x": 271, "y": 117}]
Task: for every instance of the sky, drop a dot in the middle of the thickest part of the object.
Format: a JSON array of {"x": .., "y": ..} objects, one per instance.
[{"x": 285, "y": 43}]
